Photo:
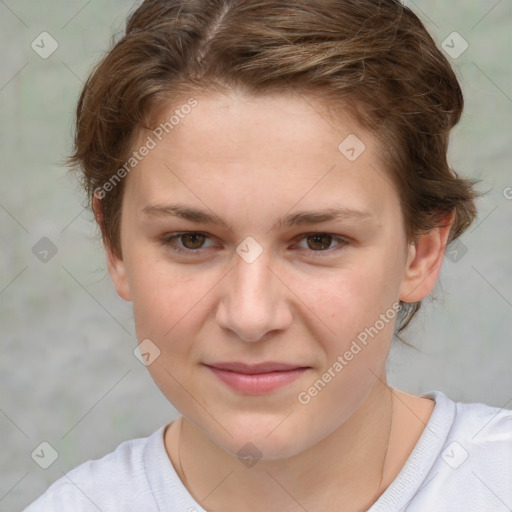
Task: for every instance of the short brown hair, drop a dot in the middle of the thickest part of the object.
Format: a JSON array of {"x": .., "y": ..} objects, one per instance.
[{"x": 374, "y": 58}]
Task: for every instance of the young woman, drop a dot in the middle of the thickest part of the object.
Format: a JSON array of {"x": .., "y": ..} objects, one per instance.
[{"x": 271, "y": 184}]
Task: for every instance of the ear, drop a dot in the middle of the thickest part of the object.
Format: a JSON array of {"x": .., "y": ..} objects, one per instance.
[
  {"x": 115, "y": 263},
  {"x": 424, "y": 261},
  {"x": 117, "y": 271}
]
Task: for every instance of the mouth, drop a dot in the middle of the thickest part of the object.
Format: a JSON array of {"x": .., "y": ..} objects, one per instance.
[{"x": 256, "y": 379}]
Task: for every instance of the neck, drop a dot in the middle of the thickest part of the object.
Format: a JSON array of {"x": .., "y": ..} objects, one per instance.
[{"x": 345, "y": 468}]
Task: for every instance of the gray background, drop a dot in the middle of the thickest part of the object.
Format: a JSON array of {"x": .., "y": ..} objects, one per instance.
[{"x": 68, "y": 375}]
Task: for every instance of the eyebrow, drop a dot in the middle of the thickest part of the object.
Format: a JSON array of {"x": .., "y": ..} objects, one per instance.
[
  {"x": 329, "y": 214},
  {"x": 199, "y": 216}
]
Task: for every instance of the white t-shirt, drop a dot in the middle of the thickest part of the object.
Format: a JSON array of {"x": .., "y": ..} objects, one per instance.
[{"x": 462, "y": 462}]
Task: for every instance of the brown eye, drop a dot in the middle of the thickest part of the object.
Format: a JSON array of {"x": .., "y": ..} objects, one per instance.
[
  {"x": 189, "y": 243},
  {"x": 319, "y": 241},
  {"x": 319, "y": 244},
  {"x": 192, "y": 240}
]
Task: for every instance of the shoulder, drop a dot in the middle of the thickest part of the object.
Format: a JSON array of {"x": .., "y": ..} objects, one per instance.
[
  {"x": 475, "y": 424},
  {"x": 475, "y": 462},
  {"x": 477, "y": 432},
  {"x": 482, "y": 437},
  {"x": 482, "y": 426},
  {"x": 116, "y": 481}
]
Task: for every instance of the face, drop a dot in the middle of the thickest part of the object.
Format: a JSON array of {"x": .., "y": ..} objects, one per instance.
[{"x": 264, "y": 284}]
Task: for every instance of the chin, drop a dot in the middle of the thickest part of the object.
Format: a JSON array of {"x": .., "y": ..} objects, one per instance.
[
  {"x": 261, "y": 440},
  {"x": 262, "y": 449}
]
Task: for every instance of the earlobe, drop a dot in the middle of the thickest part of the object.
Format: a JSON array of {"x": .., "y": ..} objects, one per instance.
[
  {"x": 424, "y": 261},
  {"x": 117, "y": 271},
  {"x": 115, "y": 264}
]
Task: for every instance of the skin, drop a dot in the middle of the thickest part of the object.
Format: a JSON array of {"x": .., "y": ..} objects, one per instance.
[{"x": 251, "y": 160}]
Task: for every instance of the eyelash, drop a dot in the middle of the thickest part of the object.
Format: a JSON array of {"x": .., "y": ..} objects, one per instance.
[{"x": 168, "y": 240}]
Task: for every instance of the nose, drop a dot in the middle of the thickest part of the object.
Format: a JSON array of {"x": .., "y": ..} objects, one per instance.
[{"x": 254, "y": 300}]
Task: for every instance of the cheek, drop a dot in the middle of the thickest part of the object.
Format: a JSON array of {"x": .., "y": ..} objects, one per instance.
[
  {"x": 170, "y": 303},
  {"x": 350, "y": 298},
  {"x": 167, "y": 310},
  {"x": 163, "y": 301},
  {"x": 159, "y": 290},
  {"x": 363, "y": 320},
  {"x": 357, "y": 311}
]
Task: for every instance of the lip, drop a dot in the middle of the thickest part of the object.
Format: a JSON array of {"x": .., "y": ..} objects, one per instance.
[
  {"x": 252, "y": 369},
  {"x": 256, "y": 379}
]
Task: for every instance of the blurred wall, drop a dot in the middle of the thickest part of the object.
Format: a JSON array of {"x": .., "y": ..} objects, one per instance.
[{"x": 68, "y": 375}]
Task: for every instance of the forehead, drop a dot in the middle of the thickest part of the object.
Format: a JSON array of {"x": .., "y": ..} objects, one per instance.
[{"x": 277, "y": 150}]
